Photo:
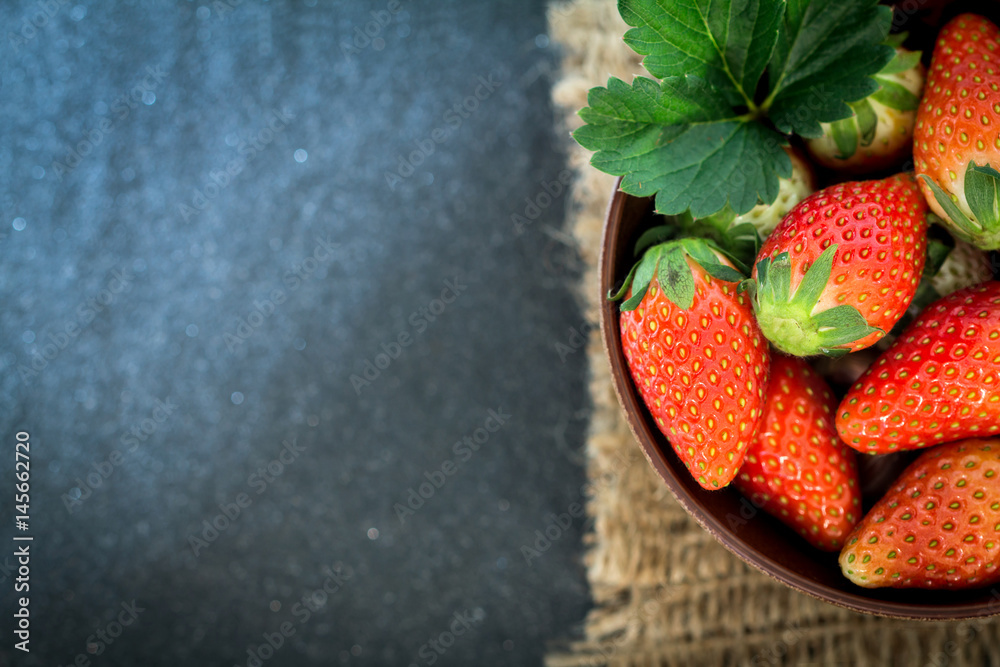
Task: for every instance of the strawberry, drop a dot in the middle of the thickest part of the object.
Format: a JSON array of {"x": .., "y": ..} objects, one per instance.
[
  {"x": 696, "y": 355},
  {"x": 950, "y": 266},
  {"x": 880, "y": 133},
  {"x": 938, "y": 382},
  {"x": 763, "y": 217},
  {"x": 739, "y": 236},
  {"x": 965, "y": 265},
  {"x": 937, "y": 527},
  {"x": 842, "y": 267},
  {"x": 797, "y": 468},
  {"x": 791, "y": 190},
  {"x": 956, "y": 144}
]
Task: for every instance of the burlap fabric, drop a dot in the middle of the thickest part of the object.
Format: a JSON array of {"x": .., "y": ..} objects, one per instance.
[{"x": 665, "y": 592}]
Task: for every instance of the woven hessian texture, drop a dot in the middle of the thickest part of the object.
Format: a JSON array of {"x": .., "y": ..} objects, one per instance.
[{"x": 665, "y": 592}]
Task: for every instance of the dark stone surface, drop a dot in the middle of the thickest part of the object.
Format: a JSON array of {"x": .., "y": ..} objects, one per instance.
[{"x": 166, "y": 326}]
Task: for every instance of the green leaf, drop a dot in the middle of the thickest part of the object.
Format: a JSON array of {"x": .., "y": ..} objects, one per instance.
[
  {"x": 959, "y": 220},
  {"x": 712, "y": 132},
  {"x": 845, "y": 136},
  {"x": 895, "y": 95},
  {"x": 746, "y": 232},
  {"x": 654, "y": 236},
  {"x": 644, "y": 272},
  {"x": 937, "y": 253},
  {"x": 825, "y": 56},
  {"x": 675, "y": 277},
  {"x": 841, "y": 325},
  {"x": 646, "y": 133},
  {"x": 867, "y": 120},
  {"x": 703, "y": 252},
  {"x": 621, "y": 107},
  {"x": 668, "y": 264},
  {"x": 623, "y": 290},
  {"x": 903, "y": 60},
  {"x": 633, "y": 301},
  {"x": 705, "y": 166},
  {"x": 981, "y": 185},
  {"x": 723, "y": 272},
  {"x": 896, "y": 41},
  {"x": 779, "y": 278},
  {"x": 811, "y": 287},
  {"x": 743, "y": 245},
  {"x": 697, "y": 165},
  {"x": 739, "y": 243},
  {"x": 725, "y": 42},
  {"x": 715, "y": 225}
]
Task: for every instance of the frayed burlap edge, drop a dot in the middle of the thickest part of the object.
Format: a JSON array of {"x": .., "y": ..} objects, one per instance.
[{"x": 665, "y": 593}]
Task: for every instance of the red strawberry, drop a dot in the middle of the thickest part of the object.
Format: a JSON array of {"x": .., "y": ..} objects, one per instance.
[
  {"x": 940, "y": 380},
  {"x": 797, "y": 468},
  {"x": 842, "y": 267},
  {"x": 937, "y": 527},
  {"x": 696, "y": 355},
  {"x": 956, "y": 144}
]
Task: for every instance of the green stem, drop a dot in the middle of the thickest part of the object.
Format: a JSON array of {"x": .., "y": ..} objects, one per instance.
[{"x": 765, "y": 106}]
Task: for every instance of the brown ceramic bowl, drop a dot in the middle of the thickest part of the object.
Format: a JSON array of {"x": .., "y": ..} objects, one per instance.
[{"x": 753, "y": 535}]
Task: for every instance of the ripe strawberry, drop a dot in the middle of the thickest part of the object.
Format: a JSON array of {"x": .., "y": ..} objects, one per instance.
[
  {"x": 842, "y": 267},
  {"x": 797, "y": 468},
  {"x": 696, "y": 355},
  {"x": 956, "y": 144},
  {"x": 950, "y": 266},
  {"x": 937, "y": 527},
  {"x": 939, "y": 382},
  {"x": 880, "y": 133}
]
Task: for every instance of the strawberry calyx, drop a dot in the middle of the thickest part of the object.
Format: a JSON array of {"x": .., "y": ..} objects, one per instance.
[
  {"x": 892, "y": 93},
  {"x": 859, "y": 130},
  {"x": 739, "y": 241},
  {"x": 982, "y": 185},
  {"x": 789, "y": 319},
  {"x": 667, "y": 262},
  {"x": 847, "y": 132}
]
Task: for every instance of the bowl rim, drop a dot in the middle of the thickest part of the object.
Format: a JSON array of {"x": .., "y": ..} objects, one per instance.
[{"x": 641, "y": 429}]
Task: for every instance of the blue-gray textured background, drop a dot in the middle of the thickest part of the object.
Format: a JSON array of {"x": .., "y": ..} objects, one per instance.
[{"x": 213, "y": 215}]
